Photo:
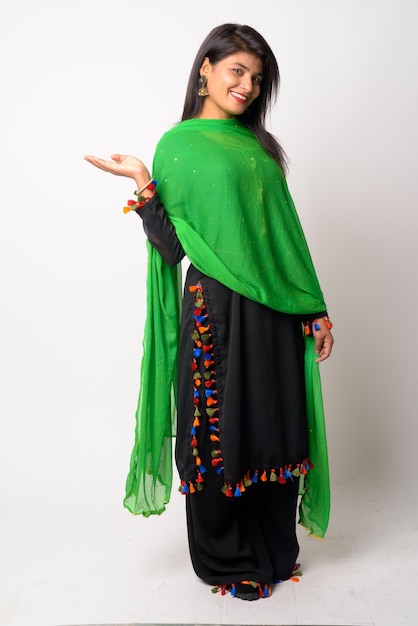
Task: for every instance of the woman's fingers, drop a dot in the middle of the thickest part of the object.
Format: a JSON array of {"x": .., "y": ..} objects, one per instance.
[
  {"x": 120, "y": 165},
  {"x": 102, "y": 164}
]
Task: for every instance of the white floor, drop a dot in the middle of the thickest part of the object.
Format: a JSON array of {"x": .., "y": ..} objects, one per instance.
[{"x": 96, "y": 564}]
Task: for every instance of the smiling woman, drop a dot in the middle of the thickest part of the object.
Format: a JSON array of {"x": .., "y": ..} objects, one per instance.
[{"x": 243, "y": 358}]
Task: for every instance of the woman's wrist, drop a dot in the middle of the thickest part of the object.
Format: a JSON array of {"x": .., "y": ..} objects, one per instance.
[
  {"x": 143, "y": 195},
  {"x": 142, "y": 180}
]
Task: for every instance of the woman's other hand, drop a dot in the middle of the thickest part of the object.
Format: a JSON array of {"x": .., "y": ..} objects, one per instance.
[
  {"x": 323, "y": 340},
  {"x": 122, "y": 165}
]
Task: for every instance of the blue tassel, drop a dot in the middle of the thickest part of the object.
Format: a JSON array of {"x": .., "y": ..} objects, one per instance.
[
  {"x": 185, "y": 489},
  {"x": 193, "y": 430},
  {"x": 202, "y": 469},
  {"x": 255, "y": 478},
  {"x": 287, "y": 474},
  {"x": 209, "y": 392},
  {"x": 237, "y": 492},
  {"x": 197, "y": 352},
  {"x": 199, "y": 318},
  {"x": 233, "y": 590},
  {"x": 219, "y": 470}
]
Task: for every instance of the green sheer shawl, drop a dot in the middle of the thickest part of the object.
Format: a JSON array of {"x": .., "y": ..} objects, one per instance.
[{"x": 230, "y": 205}]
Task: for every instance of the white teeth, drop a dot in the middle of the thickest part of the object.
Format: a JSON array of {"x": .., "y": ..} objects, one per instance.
[{"x": 238, "y": 95}]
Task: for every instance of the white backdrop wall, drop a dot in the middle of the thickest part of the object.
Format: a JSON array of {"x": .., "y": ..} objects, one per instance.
[{"x": 98, "y": 76}]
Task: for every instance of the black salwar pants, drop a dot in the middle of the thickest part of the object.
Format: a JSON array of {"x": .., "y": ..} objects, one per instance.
[{"x": 252, "y": 537}]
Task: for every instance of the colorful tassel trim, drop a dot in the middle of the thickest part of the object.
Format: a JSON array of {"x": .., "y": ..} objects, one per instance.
[
  {"x": 308, "y": 326},
  {"x": 280, "y": 475},
  {"x": 264, "y": 590},
  {"x": 296, "y": 574},
  {"x": 204, "y": 391}
]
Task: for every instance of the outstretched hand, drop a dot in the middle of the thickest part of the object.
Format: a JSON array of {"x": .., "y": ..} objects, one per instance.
[
  {"x": 323, "y": 340},
  {"x": 122, "y": 165}
]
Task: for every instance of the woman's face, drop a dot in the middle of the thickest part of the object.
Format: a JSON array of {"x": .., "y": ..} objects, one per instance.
[{"x": 233, "y": 84}]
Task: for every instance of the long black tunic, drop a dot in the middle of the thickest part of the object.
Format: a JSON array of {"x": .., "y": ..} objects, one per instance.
[{"x": 242, "y": 435}]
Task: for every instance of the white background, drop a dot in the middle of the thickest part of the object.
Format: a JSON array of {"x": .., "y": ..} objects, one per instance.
[{"x": 100, "y": 76}]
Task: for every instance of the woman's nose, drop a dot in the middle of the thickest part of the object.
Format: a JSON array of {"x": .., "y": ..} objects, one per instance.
[{"x": 246, "y": 82}]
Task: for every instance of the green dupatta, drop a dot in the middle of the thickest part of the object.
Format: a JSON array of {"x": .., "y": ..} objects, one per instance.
[{"x": 230, "y": 205}]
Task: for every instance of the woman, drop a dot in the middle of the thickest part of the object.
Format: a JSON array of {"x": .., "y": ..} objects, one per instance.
[{"x": 253, "y": 328}]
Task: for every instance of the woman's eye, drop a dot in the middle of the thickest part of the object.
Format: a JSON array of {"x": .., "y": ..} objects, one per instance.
[{"x": 237, "y": 70}]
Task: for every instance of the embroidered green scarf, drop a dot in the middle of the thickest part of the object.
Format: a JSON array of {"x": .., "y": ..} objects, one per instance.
[{"x": 230, "y": 205}]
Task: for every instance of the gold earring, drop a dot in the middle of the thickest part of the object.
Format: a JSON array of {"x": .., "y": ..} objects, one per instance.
[{"x": 203, "y": 90}]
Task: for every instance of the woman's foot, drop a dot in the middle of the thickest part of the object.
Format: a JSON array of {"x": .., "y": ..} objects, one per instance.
[{"x": 246, "y": 590}]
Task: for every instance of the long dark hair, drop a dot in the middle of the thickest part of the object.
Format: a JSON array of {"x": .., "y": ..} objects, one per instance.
[{"x": 220, "y": 43}]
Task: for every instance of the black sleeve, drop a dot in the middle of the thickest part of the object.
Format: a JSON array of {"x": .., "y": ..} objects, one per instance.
[
  {"x": 310, "y": 317},
  {"x": 160, "y": 231}
]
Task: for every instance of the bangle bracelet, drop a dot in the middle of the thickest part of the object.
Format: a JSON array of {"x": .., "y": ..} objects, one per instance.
[
  {"x": 139, "y": 191},
  {"x": 133, "y": 205}
]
